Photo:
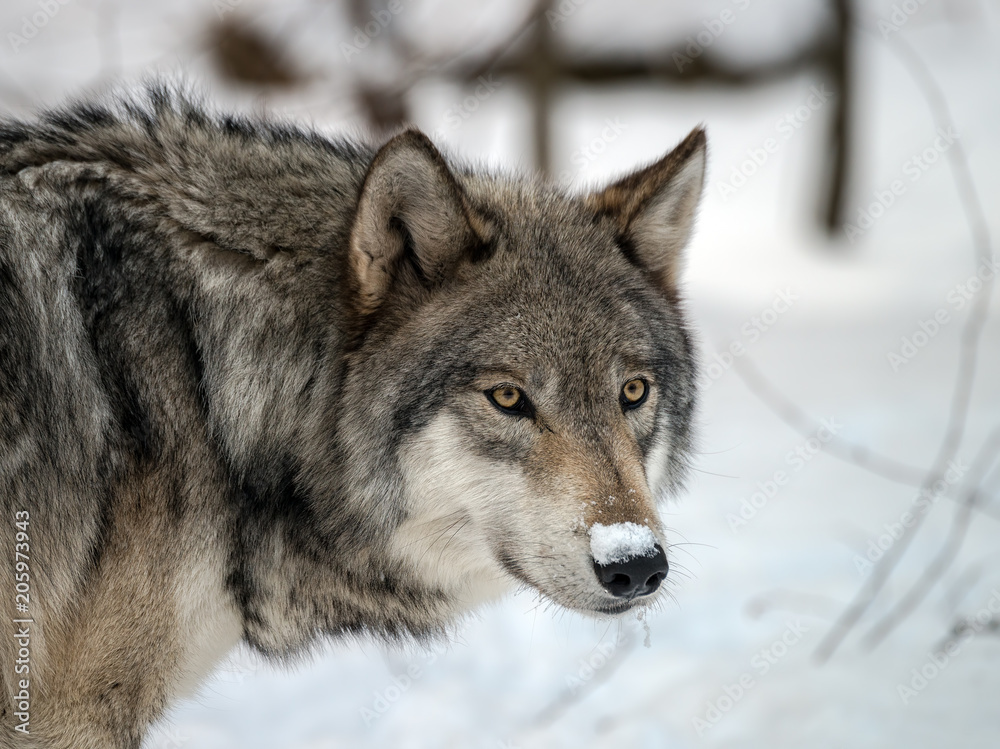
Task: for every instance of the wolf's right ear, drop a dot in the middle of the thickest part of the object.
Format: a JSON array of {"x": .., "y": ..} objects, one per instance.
[
  {"x": 412, "y": 218},
  {"x": 654, "y": 208}
]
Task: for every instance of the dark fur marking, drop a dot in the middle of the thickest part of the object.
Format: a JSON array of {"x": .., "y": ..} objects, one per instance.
[
  {"x": 267, "y": 497},
  {"x": 103, "y": 289},
  {"x": 18, "y": 355},
  {"x": 196, "y": 359}
]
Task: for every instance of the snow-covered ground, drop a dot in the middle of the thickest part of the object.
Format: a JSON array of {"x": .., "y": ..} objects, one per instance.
[{"x": 773, "y": 533}]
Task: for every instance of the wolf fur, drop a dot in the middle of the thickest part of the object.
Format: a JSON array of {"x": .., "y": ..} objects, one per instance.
[{"x": 243, "y": 378}]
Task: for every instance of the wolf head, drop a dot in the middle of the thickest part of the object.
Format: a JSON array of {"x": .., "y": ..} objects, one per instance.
[{"x": 520, "y": 389}]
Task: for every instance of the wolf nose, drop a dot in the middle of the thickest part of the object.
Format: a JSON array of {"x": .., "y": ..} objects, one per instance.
[{"x": 635, "y": 577}]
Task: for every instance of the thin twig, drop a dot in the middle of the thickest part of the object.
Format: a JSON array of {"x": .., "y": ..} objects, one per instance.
[
  {"x": 967, "y": 580},
  {"x": 946, "y": 556},
  {"x": 551, "y": 712},
  {"x": 971, "y": 334},
  {"x": 845, "y": 450},
  {"x": 853, "y": 453}
]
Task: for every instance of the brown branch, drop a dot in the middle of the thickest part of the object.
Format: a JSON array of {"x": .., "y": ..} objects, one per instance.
[
  {"x": 384, "y": 104},
  {"x": 542, "y": 69},
  {"x": 840, "y": 134},
  {"x": 489, "y": 63},
  {"x": 614, "y": 71},
  {"x": 542, "y": 83}
]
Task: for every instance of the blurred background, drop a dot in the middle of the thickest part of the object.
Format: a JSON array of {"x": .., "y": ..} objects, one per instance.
[{"x": 837, "y": 568}]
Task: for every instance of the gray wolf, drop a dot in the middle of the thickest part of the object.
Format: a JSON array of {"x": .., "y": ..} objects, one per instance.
[{"x": 263, "y": 385}]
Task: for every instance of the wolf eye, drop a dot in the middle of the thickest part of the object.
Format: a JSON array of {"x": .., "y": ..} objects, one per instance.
[
  {"x": 509, "y": 399},
  {"x": 634, "y": 393}
]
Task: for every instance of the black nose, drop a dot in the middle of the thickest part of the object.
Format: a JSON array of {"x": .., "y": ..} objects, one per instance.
[{"x": 638, "y": 576}]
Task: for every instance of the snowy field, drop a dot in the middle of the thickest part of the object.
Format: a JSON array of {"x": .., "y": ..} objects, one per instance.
[{"x": 775, "y": 533}]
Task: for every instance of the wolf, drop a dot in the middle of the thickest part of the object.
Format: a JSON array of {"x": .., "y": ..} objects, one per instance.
[{"x": 263, "y": 385}]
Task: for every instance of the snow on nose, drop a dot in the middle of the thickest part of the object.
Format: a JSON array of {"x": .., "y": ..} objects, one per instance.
[{"x": 620, "y": 542}]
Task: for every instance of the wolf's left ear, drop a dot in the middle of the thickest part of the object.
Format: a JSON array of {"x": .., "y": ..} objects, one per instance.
[
  {"x": 413, "y": 223},
  {"x": 654, "y": 208}
]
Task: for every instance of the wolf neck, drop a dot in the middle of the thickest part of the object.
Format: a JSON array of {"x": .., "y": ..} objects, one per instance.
[
  {"x": 311, "y": 559},
  {"x": 310, "y": 556}
]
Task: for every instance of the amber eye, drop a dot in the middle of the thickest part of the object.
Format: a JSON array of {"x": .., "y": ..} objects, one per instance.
[
  {"x": 509, "y": 399},
  {"x": 634, "y": 393}
]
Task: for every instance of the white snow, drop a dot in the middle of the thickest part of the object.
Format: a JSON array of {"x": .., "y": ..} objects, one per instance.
[{"x": 620, "y": 542}]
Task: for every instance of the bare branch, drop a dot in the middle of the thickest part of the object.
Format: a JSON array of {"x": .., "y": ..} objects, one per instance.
[
  {"x": 971, "y": 335},
  {"x": 793, "y": 415},
  {"x": 946, "y": 556}
]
